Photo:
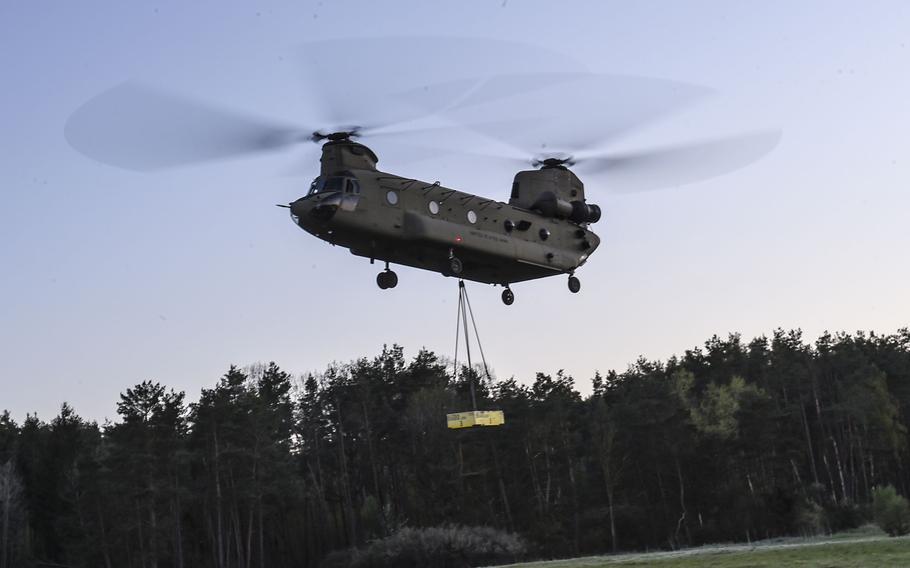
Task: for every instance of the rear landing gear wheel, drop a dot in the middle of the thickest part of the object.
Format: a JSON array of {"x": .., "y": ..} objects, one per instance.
[
  {"x": 387, "y": 279},
  {"x": 456, "y": 265},
  {"x": 574, "y": 284},
  {"x": 507, "y": 297}
]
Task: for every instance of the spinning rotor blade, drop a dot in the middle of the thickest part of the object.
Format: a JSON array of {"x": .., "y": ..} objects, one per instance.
[
  {"x": 396, "y": 79},
  {"x": 574, "y": 112},
  {"x": 627, "y": 172},
  {"x": 354, "y": 87},
  {"x": 137, "y": 127}
]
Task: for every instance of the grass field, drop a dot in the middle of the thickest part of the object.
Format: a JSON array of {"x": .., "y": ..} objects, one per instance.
[{"x": 861, "y": 549}]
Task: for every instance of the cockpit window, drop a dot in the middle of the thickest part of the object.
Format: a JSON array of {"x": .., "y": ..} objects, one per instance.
[
  {"x": 325, "y": 185},
  {"x": 353, "y": 186},
  {"x": 333, "y": 184}
]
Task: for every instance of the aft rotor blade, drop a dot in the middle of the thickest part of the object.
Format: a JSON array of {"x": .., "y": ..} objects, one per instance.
[
  {"x": 679, "y": 165},
  {"x": 573, "y": 112},
  {"x": 137, "y": 127}
]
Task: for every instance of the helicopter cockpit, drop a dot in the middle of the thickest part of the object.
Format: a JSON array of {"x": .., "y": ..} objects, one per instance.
[{"x": 334, "y": 184}]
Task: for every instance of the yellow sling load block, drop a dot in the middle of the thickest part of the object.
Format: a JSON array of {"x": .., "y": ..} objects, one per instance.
[{"x": 475, "y": 418}]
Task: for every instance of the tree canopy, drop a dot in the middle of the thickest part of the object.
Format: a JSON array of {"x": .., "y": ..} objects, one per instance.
[{"x": 734, "y": 440}]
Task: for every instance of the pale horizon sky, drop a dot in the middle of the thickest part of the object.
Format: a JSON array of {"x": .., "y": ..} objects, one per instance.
[{"x": 111, "y": 277}]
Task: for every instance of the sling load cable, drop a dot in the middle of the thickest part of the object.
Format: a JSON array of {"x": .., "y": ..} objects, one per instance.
[
  {"x": 475, "y": 417},
  {"x": 464, "y": 306}
]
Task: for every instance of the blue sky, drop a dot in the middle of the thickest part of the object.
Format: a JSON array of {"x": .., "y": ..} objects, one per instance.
[{"x": 110, "y": 277}]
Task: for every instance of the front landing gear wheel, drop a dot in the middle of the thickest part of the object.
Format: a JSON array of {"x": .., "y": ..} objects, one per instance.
[
  {"x": 387, "y": 279},
  {"x": 574, "y": 284},
  {"x": 507, "y": 297},
  {"x": 456, "y": 265}
]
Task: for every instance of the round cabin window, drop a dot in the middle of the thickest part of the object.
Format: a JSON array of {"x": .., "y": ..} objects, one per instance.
[
  {"x": 472, "y": 217},
  {"x": 433, "y": 207},
  {"x": 392, "y": 198}
]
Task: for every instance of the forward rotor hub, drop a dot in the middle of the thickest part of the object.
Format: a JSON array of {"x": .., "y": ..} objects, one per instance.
[
  {"x": 340, "y": 136},
  {"x": 553, "y": 162}
]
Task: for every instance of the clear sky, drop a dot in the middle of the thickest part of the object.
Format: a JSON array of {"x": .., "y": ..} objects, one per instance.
[{"x": 110, "y": 277}]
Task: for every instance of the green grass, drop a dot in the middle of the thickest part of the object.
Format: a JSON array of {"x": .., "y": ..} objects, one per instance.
[{"x": 839, "y": 551}]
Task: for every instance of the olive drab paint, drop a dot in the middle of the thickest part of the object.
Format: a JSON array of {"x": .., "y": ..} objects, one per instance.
[{"x": 542, "y": 231}]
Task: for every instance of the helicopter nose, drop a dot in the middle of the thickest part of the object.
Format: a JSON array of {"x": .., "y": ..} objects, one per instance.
[
  {"x": 309, "y": 212},
  {"x": 325, "y": 208},
  {"x": 299, "y": 208},
  {"x": 324, "y": 211}
]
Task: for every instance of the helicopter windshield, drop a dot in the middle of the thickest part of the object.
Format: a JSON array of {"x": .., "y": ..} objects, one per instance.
[{"x": 326, "y": 185}]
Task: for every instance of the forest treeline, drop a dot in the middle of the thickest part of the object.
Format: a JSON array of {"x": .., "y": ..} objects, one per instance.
[{"x": 732, "y": 441}]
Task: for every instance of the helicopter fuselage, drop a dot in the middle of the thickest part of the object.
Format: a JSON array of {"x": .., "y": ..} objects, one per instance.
[{"x": 405, "y": 221}]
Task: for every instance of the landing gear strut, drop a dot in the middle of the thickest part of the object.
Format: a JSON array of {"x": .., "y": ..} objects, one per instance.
[
  {"x": 508, "y": 297},
  {"x": 574, "y": 284},
  {"x": 387, "y": 278},
  {"x": 455, "y": 264}
]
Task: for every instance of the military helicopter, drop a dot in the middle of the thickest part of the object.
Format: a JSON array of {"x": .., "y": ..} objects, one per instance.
[{"x": 543, "y": 230}]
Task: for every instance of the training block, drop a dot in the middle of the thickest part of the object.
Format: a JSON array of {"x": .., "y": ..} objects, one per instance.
[{"x": 475, "y": 418}]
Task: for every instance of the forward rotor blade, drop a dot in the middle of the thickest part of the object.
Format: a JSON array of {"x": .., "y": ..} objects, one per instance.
[
  {"x": 672, "y": 166},
  {"x": 478, "y": 90},
  {"x": 359, "y": 80},
  {"x": 140, "y": 128}
]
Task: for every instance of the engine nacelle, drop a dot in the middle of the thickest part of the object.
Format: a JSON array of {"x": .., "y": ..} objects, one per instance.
[
  {"x": 549, "y": 205},
  {"x": 585, "y": 212}
]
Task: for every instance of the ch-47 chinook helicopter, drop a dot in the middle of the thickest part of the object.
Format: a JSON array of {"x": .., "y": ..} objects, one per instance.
[{"x": 543, "y": 230}]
